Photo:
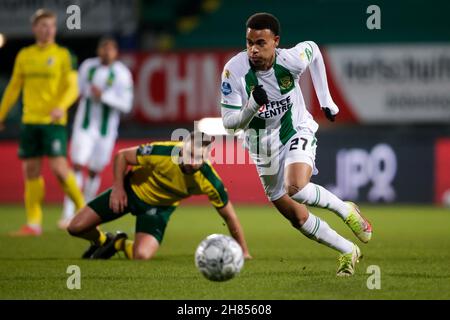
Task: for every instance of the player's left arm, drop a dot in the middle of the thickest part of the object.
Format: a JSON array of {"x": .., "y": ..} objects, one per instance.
[
  {"x": 234, "y": 226},
  {"x": 120, "y": 95},
  {"x": 218, "y": 196},
  {"x": 69, "y": 83},
  {"x": 319, "y": 79},
  {"x": 310, "y": 52}
]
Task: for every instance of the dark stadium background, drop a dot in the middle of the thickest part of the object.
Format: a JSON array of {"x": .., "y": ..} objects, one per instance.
[{"x": 400, "y": 153}]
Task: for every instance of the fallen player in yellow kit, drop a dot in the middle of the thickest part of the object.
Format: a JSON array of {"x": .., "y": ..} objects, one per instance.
[{"x": 162, "y": 174}]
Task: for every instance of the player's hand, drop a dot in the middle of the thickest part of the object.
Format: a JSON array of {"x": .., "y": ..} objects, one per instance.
[
  {"x": 118, "y": 200},
  {"x": 96, "y": 93},
  {"x": 247, "y": 256},
  {"x": 328, "y": 114},
  {"x": 2, "y": 126},
  {"x": 260, "y": 95},
  {"x": 57, "y": 114}
]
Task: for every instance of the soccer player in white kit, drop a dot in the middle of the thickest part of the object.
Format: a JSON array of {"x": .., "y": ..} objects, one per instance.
[
  {"x": 261, "y": 95},
  {"x": 106, "y": 90}
]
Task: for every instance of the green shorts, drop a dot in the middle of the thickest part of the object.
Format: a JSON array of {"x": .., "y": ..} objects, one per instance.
[
  {"x": 37, "y": 140},
  {"x": 149, "y": 219}
]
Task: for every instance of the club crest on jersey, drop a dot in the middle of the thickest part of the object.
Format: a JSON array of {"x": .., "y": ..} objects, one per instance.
[
  {"x": 227, "y": 74},
  {"x": 50, "y": 61},
  {"x": 308, "y": 54},
  {"x": 226, "y": 88},
  {"x": 145, "y": 150},
  {"x": 285, "y": 82}
]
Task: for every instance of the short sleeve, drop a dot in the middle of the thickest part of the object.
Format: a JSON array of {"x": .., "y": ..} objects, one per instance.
[
  {"x": 229, "y": 88},
  {"x": 213, "y": 186},
  {"x": 147, "y": 154},
  {"x": 143, "y": 154}
]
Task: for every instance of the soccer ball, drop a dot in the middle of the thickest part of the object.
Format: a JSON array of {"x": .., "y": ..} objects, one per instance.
[{"x": 219, "y": 257}]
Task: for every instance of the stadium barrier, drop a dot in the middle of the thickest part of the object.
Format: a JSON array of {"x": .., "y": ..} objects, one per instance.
[
  {"x": 241, "y": 180},
  {"x": 365, "y": 165}
]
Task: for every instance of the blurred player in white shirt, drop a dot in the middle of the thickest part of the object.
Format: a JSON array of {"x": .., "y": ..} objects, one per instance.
[{"x": 106, "y": 91}]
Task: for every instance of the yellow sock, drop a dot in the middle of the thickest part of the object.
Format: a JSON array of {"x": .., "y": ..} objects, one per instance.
[
  {"x": 71, "y": 188},
  {"x": 126, "y": 246},
  {"x": 118, "y": 245},
  {"x": 128, "y": 249},
  {"x": 34, "y": 194},
  {"x": 101, "y": 238}
]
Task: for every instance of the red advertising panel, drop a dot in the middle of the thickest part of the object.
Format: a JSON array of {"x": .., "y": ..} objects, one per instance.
[
  {"x": 241, "y": 180},
  {"x": 442, "y": 171},
  {"x": 176, "y": 87}
]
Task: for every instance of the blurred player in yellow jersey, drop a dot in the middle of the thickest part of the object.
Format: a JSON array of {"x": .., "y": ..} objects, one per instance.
[
  {"x": 45, "y": 73},
  {"x": 162, "y": 174}
]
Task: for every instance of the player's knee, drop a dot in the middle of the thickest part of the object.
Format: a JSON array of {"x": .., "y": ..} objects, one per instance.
[
  {"x": 298, "y": 220},
  {"x": 74, "y": 230},
  {"x": 32, "y": 171},
  {"x": 296, "y": 188},
  {"x": 302, "y": 220},
  {"x": 59, "y": 168},
  {"x": 142, "y": 254}
]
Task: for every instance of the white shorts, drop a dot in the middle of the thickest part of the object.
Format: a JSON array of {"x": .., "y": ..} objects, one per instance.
[
  {"x": 300, "y": 148},
  {"x": 91, "y": 149}
]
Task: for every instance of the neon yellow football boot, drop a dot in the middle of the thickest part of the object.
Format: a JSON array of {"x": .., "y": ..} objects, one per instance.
[
  {"x": 360, "y": 226},
  {"x": 348, "y": 261}
]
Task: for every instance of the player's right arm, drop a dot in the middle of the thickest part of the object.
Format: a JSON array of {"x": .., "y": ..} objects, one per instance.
[
  {"x": 234, "y": 115},
  {"x": 139, "y": 155},
  {"x": 12, "y": 90},
  {"x": 124, "y": 158},
  {"x": 83, "y": 81}
]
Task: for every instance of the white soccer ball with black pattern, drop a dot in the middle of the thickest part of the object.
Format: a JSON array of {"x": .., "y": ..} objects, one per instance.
[{"x": 219, "y": 257}]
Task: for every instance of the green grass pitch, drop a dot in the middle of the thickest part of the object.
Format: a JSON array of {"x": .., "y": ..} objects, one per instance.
[{"x": 410, "y": 245}]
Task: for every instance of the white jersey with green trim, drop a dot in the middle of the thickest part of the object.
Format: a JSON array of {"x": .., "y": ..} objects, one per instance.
[
  {"x": 115, "y": 81},
  {"x": 285, "y": 114}
]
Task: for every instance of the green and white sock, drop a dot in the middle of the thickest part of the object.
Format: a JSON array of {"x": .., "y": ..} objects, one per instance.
[
  {"x": 317, "y": 196},
  {"x": 318, "y": 230}
]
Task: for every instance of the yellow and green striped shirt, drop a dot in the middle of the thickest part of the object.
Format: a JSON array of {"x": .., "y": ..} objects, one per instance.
[
  {"x": 48, "y": 78},
  {"x": 158, "y": 179}
]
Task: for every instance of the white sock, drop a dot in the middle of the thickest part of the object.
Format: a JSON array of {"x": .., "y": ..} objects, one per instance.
[
  {"x": 69, "y": 206},
  {"x": 91, "y": 187},
  {"x": 320, "y": 231},
  {"x": 36, "y": 227},
  {"x": 317, "y": 196}
]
